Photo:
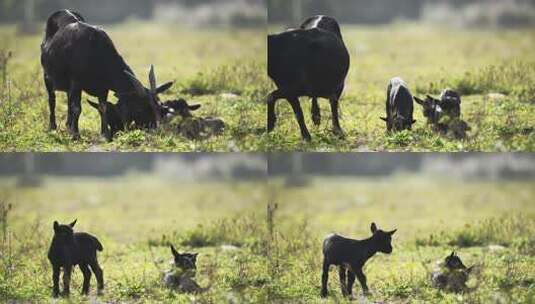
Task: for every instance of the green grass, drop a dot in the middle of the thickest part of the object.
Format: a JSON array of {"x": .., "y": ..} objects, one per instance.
[
  {"x": 128, "y": 215},
  {"x": 474, "y": 62},
  {"x": 206, "y": 66},
  {"x": 247, "y": 256},
  {"x": 225, "y": 71}
]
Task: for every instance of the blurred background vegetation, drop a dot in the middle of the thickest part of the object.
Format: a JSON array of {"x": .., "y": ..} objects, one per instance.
[
  {"x": 464, "y": 13},
  {"x": 241, "y": 13}
]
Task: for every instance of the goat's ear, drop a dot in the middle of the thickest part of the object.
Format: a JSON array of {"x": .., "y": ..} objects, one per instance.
[
  {"x": 164, "y": 87},
  {"x": 452, "y": 254},
  {"x": 392, "y": 232},
  {"x": 73, "y": 223},
  {"x": 383, "y": 118},
  {"x": 195, "y": 254},
  {"x": 418, "y": 101},
  {"x": 413, "y": 121},
  {"x": 194, "y": 107},
  {"x": 56, "y": 225},
  {"x": 373, "y": 227},
  {"x": 469, "y": 269},
  {"x": 173, "y": 251}
]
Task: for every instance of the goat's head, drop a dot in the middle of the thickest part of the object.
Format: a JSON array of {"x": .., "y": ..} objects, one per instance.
[
  {"x": 115, "y": 122},
  {"x": 431, "y": 108},
  {"x": 141, "y": 105},
  {"x": 382, "y": 240},
  {"x": 399, "y": 122},
  {"x": 64, "y": 233},
  {"x": 142, "y": 96},
  {"x": 453, "y": 261},
  {"x": 184, "y": 261},
  {"x": 450, "y": 101},
  {"x": 178, "y": 107}
]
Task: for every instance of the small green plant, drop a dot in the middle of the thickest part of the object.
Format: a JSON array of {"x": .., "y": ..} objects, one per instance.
[{"x": 133, "y": 138}]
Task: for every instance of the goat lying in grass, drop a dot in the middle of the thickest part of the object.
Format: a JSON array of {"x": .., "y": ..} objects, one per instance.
[
  {"x": 350, "y": 256},
  {"x": 182, "y": 277},
  {"x": 69, "y": 249},
  {"x": 444, "y": 114},
  {"x": 452, "y": 275}
]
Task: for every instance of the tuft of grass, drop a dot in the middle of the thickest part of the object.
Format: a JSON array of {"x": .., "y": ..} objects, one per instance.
[
  {"x": 508, "y": 230},
  {"x": 513, "y": 78},
  {"x": 236, "y": 231}
]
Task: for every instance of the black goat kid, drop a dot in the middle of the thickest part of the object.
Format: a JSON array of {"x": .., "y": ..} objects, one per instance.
[
  {"x": 350, "y": 256},
  {"x": 69, "y": 249}
]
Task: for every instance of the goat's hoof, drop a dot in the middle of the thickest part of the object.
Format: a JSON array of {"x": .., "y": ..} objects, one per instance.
[
  {"x": 100, "y": 292},
  {"x": 323, "y": 294},
  {"x": 307, "y": 137},
  {"x": 316, "y": 120}
]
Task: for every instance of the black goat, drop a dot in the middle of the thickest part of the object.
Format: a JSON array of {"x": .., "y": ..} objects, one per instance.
[
  {"x": 350, "y": 256},
  {"x": 129, "y": 110},
  {"x": 452, "y": 274},
  {"x": 69, "y": 249},
  {"x": 399, "y": 108},
  {"x": 182, "y": 278},
  {"x": 80, "y": 57},
  {"x": 449, "y": 104},
  {"x": 329, "y": 24},
  {"x": 306, "y": 62}
]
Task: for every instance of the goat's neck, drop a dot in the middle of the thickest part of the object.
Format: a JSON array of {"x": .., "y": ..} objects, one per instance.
[
  {"x": 121, "y": 83},
  {"x": 366, "y": 247}
]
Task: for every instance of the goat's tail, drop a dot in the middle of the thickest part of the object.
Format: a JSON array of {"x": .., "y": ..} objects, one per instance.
[{"x": 97, "y": 244}]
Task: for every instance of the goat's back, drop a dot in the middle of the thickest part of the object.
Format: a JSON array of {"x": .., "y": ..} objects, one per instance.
[
  {"x": 87, "y": 242},
  {"x": 324, "y": 22},
  {"x": 60, "y": 19},
  {"x": 400, "y": 97},
  {"x": 85, "y": 53},
  {"x": 307, "y": 62}
]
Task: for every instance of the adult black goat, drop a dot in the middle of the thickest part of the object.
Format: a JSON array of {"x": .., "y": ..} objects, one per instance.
[
  {"x": 309, "y": 62},
  {"x": 77, "y": 57}
]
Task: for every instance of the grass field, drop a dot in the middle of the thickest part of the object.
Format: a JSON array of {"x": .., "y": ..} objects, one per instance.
[
  {"x": 276, "y": 257},
  {"x": 204, "y": 63},
  {"x": 474, "y": 62}
]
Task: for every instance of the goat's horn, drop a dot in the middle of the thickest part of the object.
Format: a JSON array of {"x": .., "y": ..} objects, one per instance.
[
  {"x": 152, "y": 79},
  {"x": 138, "y": 87}
]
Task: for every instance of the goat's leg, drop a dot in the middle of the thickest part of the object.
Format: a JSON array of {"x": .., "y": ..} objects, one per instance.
[
  {"x": 324, "y": 279},
  {"x": 362, "y": 280},
  {"x": 55, "y": 280},
  {"x": 67, "y": 271},
  {"x": 87, "y": 278},
  {"x": 343, "y": 281},
  {"x": 271, "y": 117},
  {"x": 350, "y": 281},
  {"x": 75, "y": 108},
  {"x": 294, "y": 102},
  {"x": 104, "y": 123},
  {"x": 315, "y": 111},
  {"x": 51, "y": 103},
  {"x": 99, "y": 275},
  {"x": 334, "y": 113}
]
